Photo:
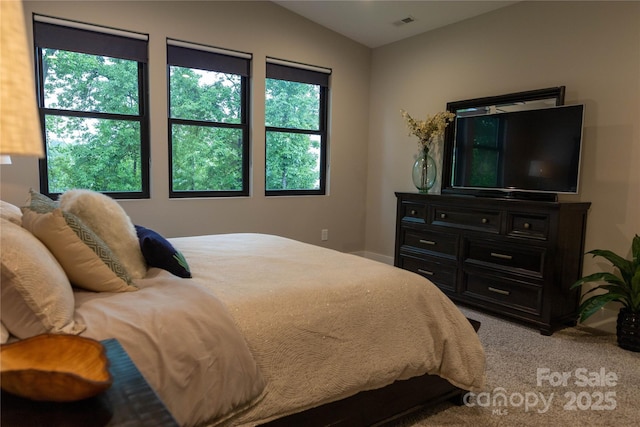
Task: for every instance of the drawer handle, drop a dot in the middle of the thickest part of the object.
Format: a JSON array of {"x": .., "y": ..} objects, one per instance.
[
  {"x": 414, "y": 212},
  {"x": 427, "y": 242},
  {"x": 443, "y": 215},
  {"x": 425, "y": 272},
  {"x": 499, "y": 291},
  {"x": 485, "y": 220},
  {"x": 527, "y": 226},
  {"x": 501, "y": 256}
]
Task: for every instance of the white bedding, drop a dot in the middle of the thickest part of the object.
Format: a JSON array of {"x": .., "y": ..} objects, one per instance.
[
  {"x": 323, "y": 325},
  {"x": 182, "y": 340},
  {"x": 319, "y": 324}
]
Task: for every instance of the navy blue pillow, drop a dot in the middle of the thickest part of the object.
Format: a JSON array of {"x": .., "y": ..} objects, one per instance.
[{"x": 158, "y": 252}]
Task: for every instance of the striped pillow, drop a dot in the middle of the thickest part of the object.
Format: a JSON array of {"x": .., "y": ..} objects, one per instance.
[
  {"x": 68, "y": 238},
  {"x": 88, "y": 263}
]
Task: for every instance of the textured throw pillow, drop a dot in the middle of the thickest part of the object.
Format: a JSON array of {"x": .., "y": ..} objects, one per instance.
[
  {"x": 110, "y": 222},
  {"x": 78, "y": 257},
  {"x": 10, "y": 212},
  {"x": 41, "y": 204},
  {"x": 36, "y": 296},
  {"x": 158, "y": 252}
]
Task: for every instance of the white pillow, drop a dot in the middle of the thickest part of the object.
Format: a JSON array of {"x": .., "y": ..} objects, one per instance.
[
  {"x": 83, "y": 266},
  {"x": 111, "y": 223},
  {"x": 36, "y": 296}
]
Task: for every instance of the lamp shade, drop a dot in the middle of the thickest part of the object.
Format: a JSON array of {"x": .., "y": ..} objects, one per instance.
[{"x": 19, "y": 122}]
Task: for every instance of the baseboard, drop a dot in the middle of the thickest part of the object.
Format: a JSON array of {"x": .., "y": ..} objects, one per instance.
[
  {"x": 604, "y": 320},
  {"x": 374, "y": 256}
]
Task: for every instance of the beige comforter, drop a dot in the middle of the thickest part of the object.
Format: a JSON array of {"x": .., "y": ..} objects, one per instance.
[
  {"x": 323, "y": 325},
  {"x": 269, "y": 326}
]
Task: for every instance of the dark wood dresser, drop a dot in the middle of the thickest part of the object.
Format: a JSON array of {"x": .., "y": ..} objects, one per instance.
[{"x": 514, "y": 258}]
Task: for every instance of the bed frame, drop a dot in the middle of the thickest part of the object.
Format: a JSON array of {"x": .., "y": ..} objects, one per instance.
[{"x": 381, "y": 406}]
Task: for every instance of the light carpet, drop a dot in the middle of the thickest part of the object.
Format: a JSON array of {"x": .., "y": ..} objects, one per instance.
[{"x": 576, "y": 377}]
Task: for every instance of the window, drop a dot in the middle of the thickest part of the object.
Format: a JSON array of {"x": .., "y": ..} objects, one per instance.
[
  {"x": 296, "y": 129},
  {"x": 92, "y": 101},
  {"x": 208, "y": 121},
  {"x": 486, "y": 153}
]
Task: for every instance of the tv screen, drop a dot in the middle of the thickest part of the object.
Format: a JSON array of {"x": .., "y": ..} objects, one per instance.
[{"x": 530, "y": 151}]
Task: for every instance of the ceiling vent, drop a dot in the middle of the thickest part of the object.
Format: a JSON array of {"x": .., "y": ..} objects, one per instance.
[{"x": 409, "y": 19}]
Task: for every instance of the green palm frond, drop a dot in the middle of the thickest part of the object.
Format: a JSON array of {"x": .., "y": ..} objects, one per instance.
[
  {"x": 625, "y": 266},
  {"x": 598, "y": 277},
  {"x": 595, "y": 303},
  {"x": 635, "y": 291},
  {"x": 623, "y": 288}
]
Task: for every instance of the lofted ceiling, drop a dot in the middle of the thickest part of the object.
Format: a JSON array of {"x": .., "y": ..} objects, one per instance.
[{"x": 375, "y": 23}]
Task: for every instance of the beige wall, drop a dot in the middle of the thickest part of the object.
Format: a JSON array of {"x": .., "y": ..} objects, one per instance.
[
  {"x": 263, "y": 29},
  {"x": 593, "y": 48}
]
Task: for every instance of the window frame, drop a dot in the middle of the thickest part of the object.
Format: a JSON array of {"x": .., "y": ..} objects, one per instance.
[
  {"x": 498, "y": 149},
  {"x": 230, "y": 62},
  {"x": 73, "y": 36},
  {"x": 279, "y": 69}
]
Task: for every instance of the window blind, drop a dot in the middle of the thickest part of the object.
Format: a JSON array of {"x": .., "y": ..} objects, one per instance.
[
  {"x": 297, "y": 72},
  {"x": 210, "y": 58},
  {"x": 56, "y": 33}
]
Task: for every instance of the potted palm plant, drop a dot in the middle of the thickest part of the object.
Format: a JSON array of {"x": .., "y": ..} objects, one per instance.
[{"x": 623, "y": 287}]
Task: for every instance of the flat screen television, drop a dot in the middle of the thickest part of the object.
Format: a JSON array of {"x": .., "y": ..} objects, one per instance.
[{"x": 518, "y": 153}]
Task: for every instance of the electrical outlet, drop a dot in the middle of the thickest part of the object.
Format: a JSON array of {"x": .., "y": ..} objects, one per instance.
[{"x": 324, "y": 234}]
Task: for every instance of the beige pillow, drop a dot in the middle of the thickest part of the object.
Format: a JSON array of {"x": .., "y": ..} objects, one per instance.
[
  {"x": 10, "y": 212},
  {"x": 41, "y": 204},
  {"x": 36, "y": 296},
  {"x": 84, "y": 268},
  {"x": 4, "y": 334},
  {"x": 110, "y": 222}
]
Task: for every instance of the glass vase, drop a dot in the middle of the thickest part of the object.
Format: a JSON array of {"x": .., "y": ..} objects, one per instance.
[{"x": 424, "y": 172}]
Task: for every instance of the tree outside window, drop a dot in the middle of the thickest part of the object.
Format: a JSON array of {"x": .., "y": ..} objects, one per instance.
[
  {"x": 209, "y": 148},
  {"x": 92, "y": 107},
  {"x": 296, "y": 131}
]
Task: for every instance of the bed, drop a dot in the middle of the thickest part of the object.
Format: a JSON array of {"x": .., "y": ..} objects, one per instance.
[{"x": 272, "y": 331}]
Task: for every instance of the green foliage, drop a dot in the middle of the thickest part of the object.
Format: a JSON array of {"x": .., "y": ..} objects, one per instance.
[
  {"x": 484, "y": 172},
  {"x": 104, "y": 154},
  {"x": 485, "y": 168},
  {"x": 82, "y": 82},
  {"x": 94, "y": 153},
  {"x": 292, "y": 105},
  {"x": 291, "y": 162},
  {"x": 206, "y": 157},
  {"x": 293, "y": 159},
  {"x": 623, "y": 287},
  {"x": 205, "y": 95}
]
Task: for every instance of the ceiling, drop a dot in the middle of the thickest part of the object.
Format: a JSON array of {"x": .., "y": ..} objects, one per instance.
[{"x": 375, "y": 23}]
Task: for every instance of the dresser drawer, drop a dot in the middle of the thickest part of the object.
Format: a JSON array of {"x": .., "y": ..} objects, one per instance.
[
  {"x": 471, "y": 219},
  {"x": 441, "y": 274},
  {"x": 511, "y": 257},
  {"x": 528, "y": 225},
  {"x": 521, "y": 259},
  {"x": 429, "y": 241},
  {"x": 413, "y": 212},
  {"x": 506, "y": 293}
]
